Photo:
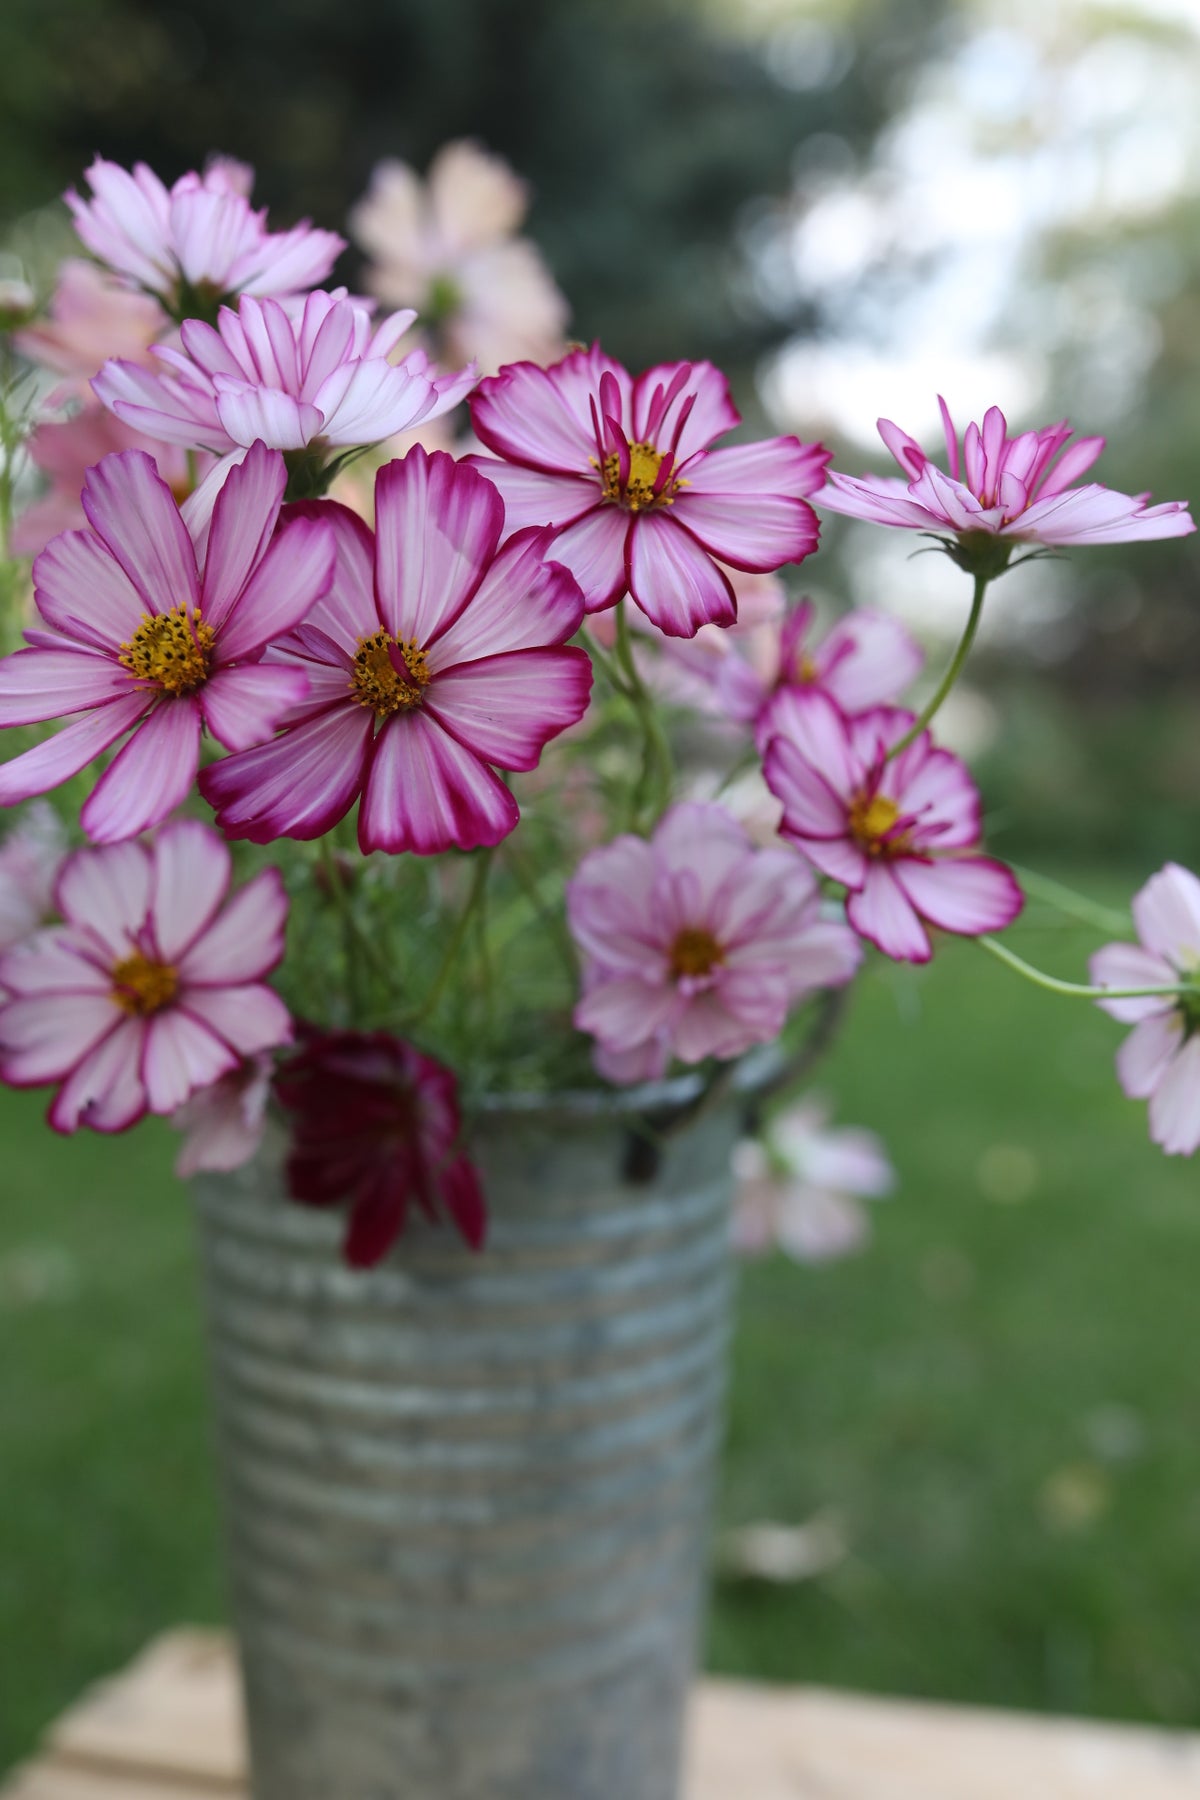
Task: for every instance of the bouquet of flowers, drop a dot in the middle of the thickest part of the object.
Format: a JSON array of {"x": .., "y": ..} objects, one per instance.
[{"x": 397, "y": 764}]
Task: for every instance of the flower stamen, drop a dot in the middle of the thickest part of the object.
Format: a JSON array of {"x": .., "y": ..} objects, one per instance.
[
  {"x": 695, "y": 952},
  {"x": 142, "y": 986},
  {"x": 170, "y": 649},
  {"x": 644, "y": 483},
  {"x": 390, "y": 674},
  {"x": 872, "y": 818}
]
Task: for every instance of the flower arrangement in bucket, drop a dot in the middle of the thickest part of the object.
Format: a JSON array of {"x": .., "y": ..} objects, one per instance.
[{"x": 415, "y": 797}]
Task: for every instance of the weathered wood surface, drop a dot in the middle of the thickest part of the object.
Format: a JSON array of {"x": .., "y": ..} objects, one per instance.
[{"x": 169, "y": 1728}]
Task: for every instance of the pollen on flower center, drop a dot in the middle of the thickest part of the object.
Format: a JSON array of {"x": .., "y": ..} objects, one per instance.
[
  {"x": 871, "y": 818},
  {"x": 171, "y": 649},
  {"x": 695, "y": 952},
  {"x": 390, "y": 674},
  {"x": 141, "y": 986},
  {"x": 638, "y": 491}
]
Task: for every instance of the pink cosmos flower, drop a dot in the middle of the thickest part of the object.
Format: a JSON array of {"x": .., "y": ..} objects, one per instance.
[
  {"x": 152, "y": 988},
  {"x": 696, "y": 943},
  {"x": 91, "y": 317},
  {"x": 376, "y": 1124},
  {"x": 223, "y": 1125},
  {"x": 1016, "y": 489},
  {"x": 30, "y": 858},
  {"x": 197, "y": 242},
  {"x": 622, "y": 469},
  {"x": 901, "y": 832},
  {"x": 138, "y": 636},
  {"x": 447, "y": 247},
  {"x": 319, "y": 374},
  {"x": 1160, "y": 1059},
  {"x": 433, "y": 661},
  {"x": 800, "y": 1189}
]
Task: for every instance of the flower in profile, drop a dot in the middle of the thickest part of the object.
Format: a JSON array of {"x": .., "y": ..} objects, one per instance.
[
  {"x": 900, "y": 831},
  {"x": 152, "y": 988},
  {"x": 695, "y": 943},
  {"x": 316, "y": 377},
  {"x": 1160, "y": 1059},
  {"x": 800, "y": 1188},
  {"x": 447, "y": 247},
  {"x": 865, "y": 660},
  {"x": 640, "y": 503},
  {"x": 91, "y": 317},
  {"x": 434, "y": 661},
  {"x": 198, "y": 242},
  {"x": 223, "y": 1125},
  {"x": 376, "y": 1127},
  {"x": 30, "y": 858},
  {"x": 1012, "y": 489},
  {"x": 63, "y": 450},
  {"x": 138, "y": 637}
]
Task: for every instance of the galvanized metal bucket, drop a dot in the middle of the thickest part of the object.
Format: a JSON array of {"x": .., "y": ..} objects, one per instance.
[{"x": 468, "y": 1496}]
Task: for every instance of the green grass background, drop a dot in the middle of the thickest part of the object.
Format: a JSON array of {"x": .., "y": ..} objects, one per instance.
[{"x": 998, "y": 1404}]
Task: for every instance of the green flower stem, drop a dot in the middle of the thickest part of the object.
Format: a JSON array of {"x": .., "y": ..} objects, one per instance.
[
  {"x": 1075, "y": 989},
  {"x": 1074, "y": 906},
  {"x": 457, "y": 938},
  {"x": 953, "y": 671},
  {"x": 657, "y": 777}
]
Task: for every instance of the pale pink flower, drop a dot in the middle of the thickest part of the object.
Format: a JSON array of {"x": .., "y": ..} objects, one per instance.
[
  {"x": 153, "y": 986},
  {"x": 622, "y": 469},
  {"x": 901, "y": 832},
  {"x": 447, "y": 247},
  {"x": 317, "y": 375},
  {"x": 436, "y": 659},
  {"x": 91, "y": 317},
  {"x": 1016, "y": 489},
  {"x": 1160, "y": 1059},
  {"x": 197, "y": 242},
  {"x": 866, "y": 659},
  {"x": 223, "y": 1125},
  {"x": 696, "y": 943},
  {"x": 138, "y": 636},
  {"x": 30, "y": 858},
  {"x": 800, "y": 1189}
]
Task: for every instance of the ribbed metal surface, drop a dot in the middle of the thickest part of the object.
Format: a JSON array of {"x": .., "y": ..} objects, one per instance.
[{"x": 467, "y": 1496}]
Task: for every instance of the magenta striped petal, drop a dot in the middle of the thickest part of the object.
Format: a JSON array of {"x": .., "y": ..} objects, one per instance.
[
  {"x": 246, "y": 942},
  {"x": 83, "y": 591},
  {"x": 966, "y": 894},
  {"x": 291, "y": 577},
  {"x": 52, "y": 961},
  {"x": 711, "y": 415},
  {"x": 106, "y": 894},
  {"x": 625, "y": 1012},
  {"x": 243, "y": 707},
  {"x": 36, "y": 685},
  {"x": 811, "y": 808},
  {"x": 130, "y": 506},
  {"x": 593, "y": 549},
  {"x": 674, "y": 579},
  {"x": 68, "y": 751},
  {"x": 179, "y": 1055},
  {"x": 147, "y": 779},
  {"x": 437, "y": 525},
  {"x": 243, "y": 518},
  {"x": 838, "y": 858},
  {"x": 507, "y": 708},
  {"x": 43, "y": 1036},
  {"x": 105, "y": 1090},
  {"x": 280, "y": 420},
  {"x": 524, "y": 414},
  {"x": 190, "y": 878},
  {"x": 754, "y": 532},
  {"x": 942, "y": 795},
  {"x": 426, "y": 792},
  {"x": 250, "y": 1018},
  {"x": 347, "y": 612},
  {"x": 300, "y": 785},
  {"x": 533, "y": 498},
  {"x": 882, "y": 912},
  {"x": 525, "y": 601}
]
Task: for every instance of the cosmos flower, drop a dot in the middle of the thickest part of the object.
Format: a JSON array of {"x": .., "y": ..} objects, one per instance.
[
  {"x": 901, "y": 832},
  {"x": 1015, "y": 489},
  {"x": 376, "y": 1127},
  {"x": 448, "y": 247},
  {"x": 1160, "y": 1059},
  {"x": 90, "y": 318},
  {"x": 800, "y": 1188},
  {"x": 696, "y": 943},
  {"x": 198, "y": 242},
  {"x": 640, "y": 503},
  {"x": 140, "y": 638},
  {"x": 223, "y": 1125},
  {"x": 151, "y": 988},
  {"x": 317, "y": 375},
  {"x": 434, "y": 661}
]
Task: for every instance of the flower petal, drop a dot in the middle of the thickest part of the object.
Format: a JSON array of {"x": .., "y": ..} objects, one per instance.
[
  {"x": 1175, "y": 1103},
  {"x": 965, "y": 894},
  {"x": 1167, "y": 915},
  {"x": 347, "y": 612},
  {"x": 297, "y": 786},
  {"x": 248, "y": 412},
  {"x": 246, "y": 940},
  {"x": 593, "y": 549},
  {"x": 130, "y": 506},
  {"x": 437, "y": 525},
  {"x": 293, "y": 575},
  {"x": 179, "y": 1055},
  {"x": 243, "y": 519},
  {"x": 67, "y": 752},
  {"x": 882, "y": 912},
  {"x": 106, "y": 893},
  {"x": 525, "y": 413},
  {"x": 673, "y": 578},
  {"x": 507, "y": 708},
  {"x": 149, "y": 777},
  {"x": 625, "y": 1012},
  {"x": 82, "y": 590},
  {"x": 43, "y": 1036},
  {"x": 525, "y": 601},
  {"x": 191, "y": 871},
  {"x": 105, "y": 1091},
  {"x": 36, "y": 685},
  {"x": 1126, "y": 966},
  {"x": 243, "y": 707},
  {"x": 1143, "y": 1058},
  {"x": 425, "y": 792},
  {"x": 249, "y": 1018},
  {"x": 533, "y": 498}
]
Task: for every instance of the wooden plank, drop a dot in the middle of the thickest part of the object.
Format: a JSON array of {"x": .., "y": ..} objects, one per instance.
[{"x": 170, "y": 1728}]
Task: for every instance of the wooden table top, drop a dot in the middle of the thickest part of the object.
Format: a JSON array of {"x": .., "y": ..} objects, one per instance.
[{"x": 169, "y": 1728}]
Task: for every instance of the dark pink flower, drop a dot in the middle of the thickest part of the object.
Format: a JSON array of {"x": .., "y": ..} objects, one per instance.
[
  {"x": 622, "y": 469},
  {"x": 153, "y": 986},
  {"x": 137, "y": 636},
  {"x": 1017, "y": 489},
  {"x": 434, "y": 661},
  {"x": 696, "y": 943},
  {"x": 1160, "y": 1059},
  {"x": 901, "y": 832},
  {"x": 376, "y": 1127}
]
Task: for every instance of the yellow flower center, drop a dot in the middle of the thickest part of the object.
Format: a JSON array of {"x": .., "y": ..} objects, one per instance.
[
  {"x": 871, "y": 817},
  {"x": 807, "y": 673},
  {"x": 390, "y": 674},
  {"x": 638, "y": 492},
  {"x": 695, "y": 952},
  {"x": 142, "y": 986},
  {"x": 171, "y": 649}
]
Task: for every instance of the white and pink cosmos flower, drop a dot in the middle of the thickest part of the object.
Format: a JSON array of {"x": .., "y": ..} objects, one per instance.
[
  {"x": 1017, "y": 489},
  {"x": 800, "y": 1188},
  {"x": 696, "y": 944},
  {"x": 197, "y": 242},
  {"x": 1160, "y": 1059},
  {"x": 447, "y": 246},
  {"x": 640, "y": 503},
  {"x": 901, "y": 832},
  {"x": 435, "y": 659},
  {"x": 318, "y": 374},
  {"x": 135, "y": 635},
  {"x": 866, "y": 659},
  {"x": 152, "y": 988}
]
